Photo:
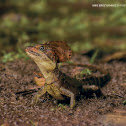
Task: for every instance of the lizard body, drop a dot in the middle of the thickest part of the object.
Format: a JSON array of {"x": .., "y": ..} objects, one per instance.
[{"x": 56, "y": 83}]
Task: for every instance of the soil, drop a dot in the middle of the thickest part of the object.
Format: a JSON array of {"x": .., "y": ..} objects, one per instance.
[{"x": 16, "y": 110}]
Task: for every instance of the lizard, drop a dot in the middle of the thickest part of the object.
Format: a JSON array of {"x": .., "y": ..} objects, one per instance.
[{"x": 51, "y": 79}]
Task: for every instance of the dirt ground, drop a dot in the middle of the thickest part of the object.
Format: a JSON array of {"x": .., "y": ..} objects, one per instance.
[{"x": 15, "y": 109}]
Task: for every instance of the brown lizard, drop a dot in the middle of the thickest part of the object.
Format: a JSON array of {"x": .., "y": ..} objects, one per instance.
[{"x": 57, "y": 84}]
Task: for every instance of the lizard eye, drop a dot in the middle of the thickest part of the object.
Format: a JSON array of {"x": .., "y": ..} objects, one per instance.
[{"x": 42, "y": 48}]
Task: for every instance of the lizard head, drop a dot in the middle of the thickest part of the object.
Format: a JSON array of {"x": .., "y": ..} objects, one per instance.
[
  {"x": 42, "y": 55},
  {"x": 48, "y": 54}
]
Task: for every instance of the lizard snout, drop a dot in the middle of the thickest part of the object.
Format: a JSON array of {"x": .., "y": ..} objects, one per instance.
[{"x": 29, "y": 48}]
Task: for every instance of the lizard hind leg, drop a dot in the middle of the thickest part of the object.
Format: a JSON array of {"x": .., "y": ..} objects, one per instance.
[
  {"x": 93, "y": 88},
  {"x": 90, "y": 87},
  {"x": 41, "y": 92}
]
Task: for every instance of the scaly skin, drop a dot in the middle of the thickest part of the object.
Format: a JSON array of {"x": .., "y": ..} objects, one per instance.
[{"x": 53, "y": 81}]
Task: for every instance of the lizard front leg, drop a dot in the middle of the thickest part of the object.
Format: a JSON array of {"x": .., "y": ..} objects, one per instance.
[
  {"x": 39, "y": 79},
  {"x": 41, "y": 92},
  {"x": 69, "y": 94}
]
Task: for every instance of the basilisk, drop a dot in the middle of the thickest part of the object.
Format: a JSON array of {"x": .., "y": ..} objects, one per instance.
[{"x": 56, "y": 83}]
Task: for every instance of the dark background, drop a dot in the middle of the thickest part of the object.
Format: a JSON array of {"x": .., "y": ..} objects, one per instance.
[{"x": 27, "y": 22}]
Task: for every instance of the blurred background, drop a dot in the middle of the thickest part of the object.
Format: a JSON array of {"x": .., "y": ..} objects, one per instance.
[{"x": 27, "y": 22}]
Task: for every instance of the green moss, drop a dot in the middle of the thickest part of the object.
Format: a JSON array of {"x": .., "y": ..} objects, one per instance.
[
  {"x": 11, "y": 56},
  {"x": 124, "y": 102},
  {"x": 86, "y": 71}
]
